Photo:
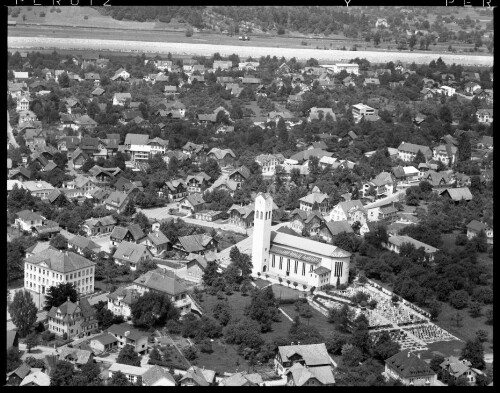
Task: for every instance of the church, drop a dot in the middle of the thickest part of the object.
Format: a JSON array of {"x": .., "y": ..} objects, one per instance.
[{"x": 303, "y": 261}]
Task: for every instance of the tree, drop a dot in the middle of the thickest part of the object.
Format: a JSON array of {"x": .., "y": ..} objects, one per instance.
[
  {"x": 153, "y": 309},
  {"x": 412, "y": 196},
  {"x": 412, "y": 41},
  {"x": 351, "y": 355},
  {"x": 473, "y": 351},
  {"x": 475, "y": 309},
  {"x": 464, "y": 148},
  {"x": 62, "y": 375},
  {"x": 90, "y": 374},
  {"x": 129, "y": 356},
  {"x": 211, "y": 168},
  {"x": 459, "y": 299},
  {"x": 482, "y": 335},
  {"x": 155, "y": 354},
  {"x": 31, "y": 341},
  {"x": 55, "y": 296},
  {"x": 87, "y": 165},
  {"x": 419, "y": 158},
  {"x": 385, "y": 347},
  {"x": 13, "y": 359},
  {"x": 210, "y": 273},
  {"x": 59, "y": 242},
  {"x": 435, "y": 363},
  {"x": 23, "y": 312},
  {"x": 445, "y": 114},
  {"x": 119, "y": 379},
  {"x": 222, "y": 312},
  {"x": 141, "y": 219},
  {"x": 63, "y": 80},
  {"x": 190, "y": 353},
  {"x": 489, "y": 316},
  {"x": 435, "y": 309}
]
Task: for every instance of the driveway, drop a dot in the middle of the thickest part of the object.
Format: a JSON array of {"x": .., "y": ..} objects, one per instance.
[{"x": 103, "y": 241}]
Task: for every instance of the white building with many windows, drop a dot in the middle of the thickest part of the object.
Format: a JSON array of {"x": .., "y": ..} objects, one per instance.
[
  {"x": 306, "y": 262},
  {"x": 52, "y": 267}
]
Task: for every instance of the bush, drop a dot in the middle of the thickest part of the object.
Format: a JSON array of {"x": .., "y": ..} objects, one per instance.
[
  {"x": 65, "y": 336},
  {"x": 190, "y": 352},
  {"x": 461, "y": 240},
  {"x": 48, "y": 336},
  {"x": 459, "y": 299}
]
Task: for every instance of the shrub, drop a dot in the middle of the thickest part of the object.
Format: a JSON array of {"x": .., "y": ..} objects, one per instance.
[
  {"x": 190, "y": 352},
  {"x": 461, "y": 240},
  {"x": 65, "y": 336},
  {"x": 459, "y": 299}
]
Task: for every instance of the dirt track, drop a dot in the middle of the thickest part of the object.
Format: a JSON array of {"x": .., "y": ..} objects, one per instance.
[{"x": 242, "y": 51}]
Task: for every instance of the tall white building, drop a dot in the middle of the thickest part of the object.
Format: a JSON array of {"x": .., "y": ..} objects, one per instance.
[
  {"x": 301, "y": 261},
  {"x": 262, "y": 233},
  {"x": 52, "y": 267}
]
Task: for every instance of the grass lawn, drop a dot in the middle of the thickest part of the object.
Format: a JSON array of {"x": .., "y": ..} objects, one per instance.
[
  {"x": 284, "y": 292},
  {"x": 446, "y": 348},
  {"x": 318, "y": 320},
  {"x": 237, "y": 302},
  {"x": 224, "y": 358},
  {"x": 469, "y": 325},
  {"x": 279, "y": 329},
  {"x": 261, "y": 283}
]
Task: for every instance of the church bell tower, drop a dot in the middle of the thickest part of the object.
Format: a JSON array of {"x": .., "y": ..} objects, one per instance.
[{"x": 261, "y": 233}]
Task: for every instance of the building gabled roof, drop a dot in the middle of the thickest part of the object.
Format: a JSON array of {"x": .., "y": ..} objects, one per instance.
[
  {"x": 155, "y": 374},
  {"x": 348, "y": 205},
  {"x": 400, "y": 240},
  {"x": 38, "y": 378},
  {"x": 337, "y": 227},
  {"x": 127, "y": 295},
  {"x": 307, "y": 154},
  {"x": 63, "y": 262},
  {"x": 161, "y": 280},
  {"x": 307, "y": 245},
  {"x": 84, "y": 242},
  {"x": 476, "y": 226},
  {"x": 312, "y": 354},
  {"x": 28, "y": 215},
  {"x": 194, "y": 243},
  {"x": 382, "y": 179},
  {"x": 408, "y": 365},
  {"x": 202, "y": 377},
  {"x": 105, "y": 338},
  {"x": 221, "y": 153},
  {"x": 314, "y": 197},
  {"x": 158, "y": 238},
  {"x": 131, "y": 252},
  {"x": 194, "y": 199},
  {"x": 457, "y": 194},
  {"x": 122, "y": 328}
]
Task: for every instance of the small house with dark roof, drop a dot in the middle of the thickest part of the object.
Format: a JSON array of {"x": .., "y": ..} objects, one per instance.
[
  {"x": 241, "y": 216},
  {"x": 192, "y": 204},
  {"x": 330, "y": 229},
  {"x": 14, "y": 378},
  {"x": 453, "y": 368},
  {"x": 309, "y": 221},
  {"x": 195, "y": 244},
  {"x": 174, "y": 190},
  {"x": 409, "y": 369},
  {"x": 117, "y": 201},
  {"x": 81, "y": 243},
  {"x": 157, "y": 376},
  {"x": 195, "y": 266},
  {"x": 156, "y": 242},
  {"x": 196, "y": 376},
  {"x": 197, "y": 183},
  {"x": 96, "y": 226}
]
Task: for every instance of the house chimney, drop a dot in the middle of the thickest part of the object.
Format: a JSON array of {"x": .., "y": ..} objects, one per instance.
[
  {"x": 68, "y": 299},
  {"x": 418, "y": 355},
  {"x": 409, "y": 353},
  {"x": 127, "y": 333}
]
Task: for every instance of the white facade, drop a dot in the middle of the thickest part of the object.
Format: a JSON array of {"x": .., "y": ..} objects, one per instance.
[
  {"x": 350, "y": 68},
  {"x": 39, "y": 277},
  {"x": 262, "y": 233},
  {"x": 360, "y": 110},
  {"x": 448, "y": 91}
]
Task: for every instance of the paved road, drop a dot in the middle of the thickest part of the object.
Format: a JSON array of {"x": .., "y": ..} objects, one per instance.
[{"x": 12, "y": 140}]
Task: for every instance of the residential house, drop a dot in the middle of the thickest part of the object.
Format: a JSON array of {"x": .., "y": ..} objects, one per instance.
[
  {"x": 194, "y": 151},
  {"x": 312, "y": 356},
  {"x": 157, "y": 376},
  {"x": 192, "y": 204},
  {"x": 196, "y": 376},
  {"x": 408, "y": 151},
  {"x": 131, "y": 254},
  {"x": 165, "y": 282},
  {"x": 75, "y": 356},
  {"x": 103, "y": 343},
  {"x": 195, "y": 244},
  {"x": 73, "y": 319},
  {"x": 79, "y": 244},
  {"x": 14, "y": 378},
  {"x": 447, "y": 154},
  {"x": 457, "y": 194},
  {"x": 452, "y": 368},
  {"x": 121, "y": 98},
  {"x": 320, "y": 113},
  {"x": 305, "y": 155},
  {"x": 406, "y": 175},
  {"x": 248, "y": 66},
  {"x": 20, "y": 175},
  {"x": 133, "y": 374},
  {"x": 360, "y": 111},
  {"x": 97, "y": 226},
  {"x": 394, "y": 243},
  {"x": 195, "y": 267},
  {"x": 40, "y": 189},
  {"x": 329, "y": 229},
  {"x": 197, "y": 183},
  {"x": 222, "y": 65},
  {"x": 306, "y": 221},
  {"x": 368, "y": 226},
  {"x": 36, "y": 378},
  {"x": 174, "y": 190},
  {"x": 350, "y": 211},
  {"x": 486, "y": 142},
  {"x": 350, "y": 68},
  {"x": 409, "y": 369},
  {"x": 127, "y": 335},
  {"x": 117, "y": 201},
  {"x": 484, "y": 115},
  {"x": 268, "y": 163},
  {"x": 156, "y": 242},
  {"x": 120, "y": 301},
  {"x": 239, "y": 175},
  {"x": 241, "y": 216},
  {"x": 223, "y": 156},
  {"x": 308, "y": 202},
  {"x": 437, "y": 179},
  {"x": 79, "y": 157},
  {"x": 27, "y": 220},
  {"x": 371, "y": 82},
  {"x": 475, "y": 227},
  {"x": 470, "y": 87},
  {"x": 383, "y": 184},
  {"x": 120, "y": 75}
]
